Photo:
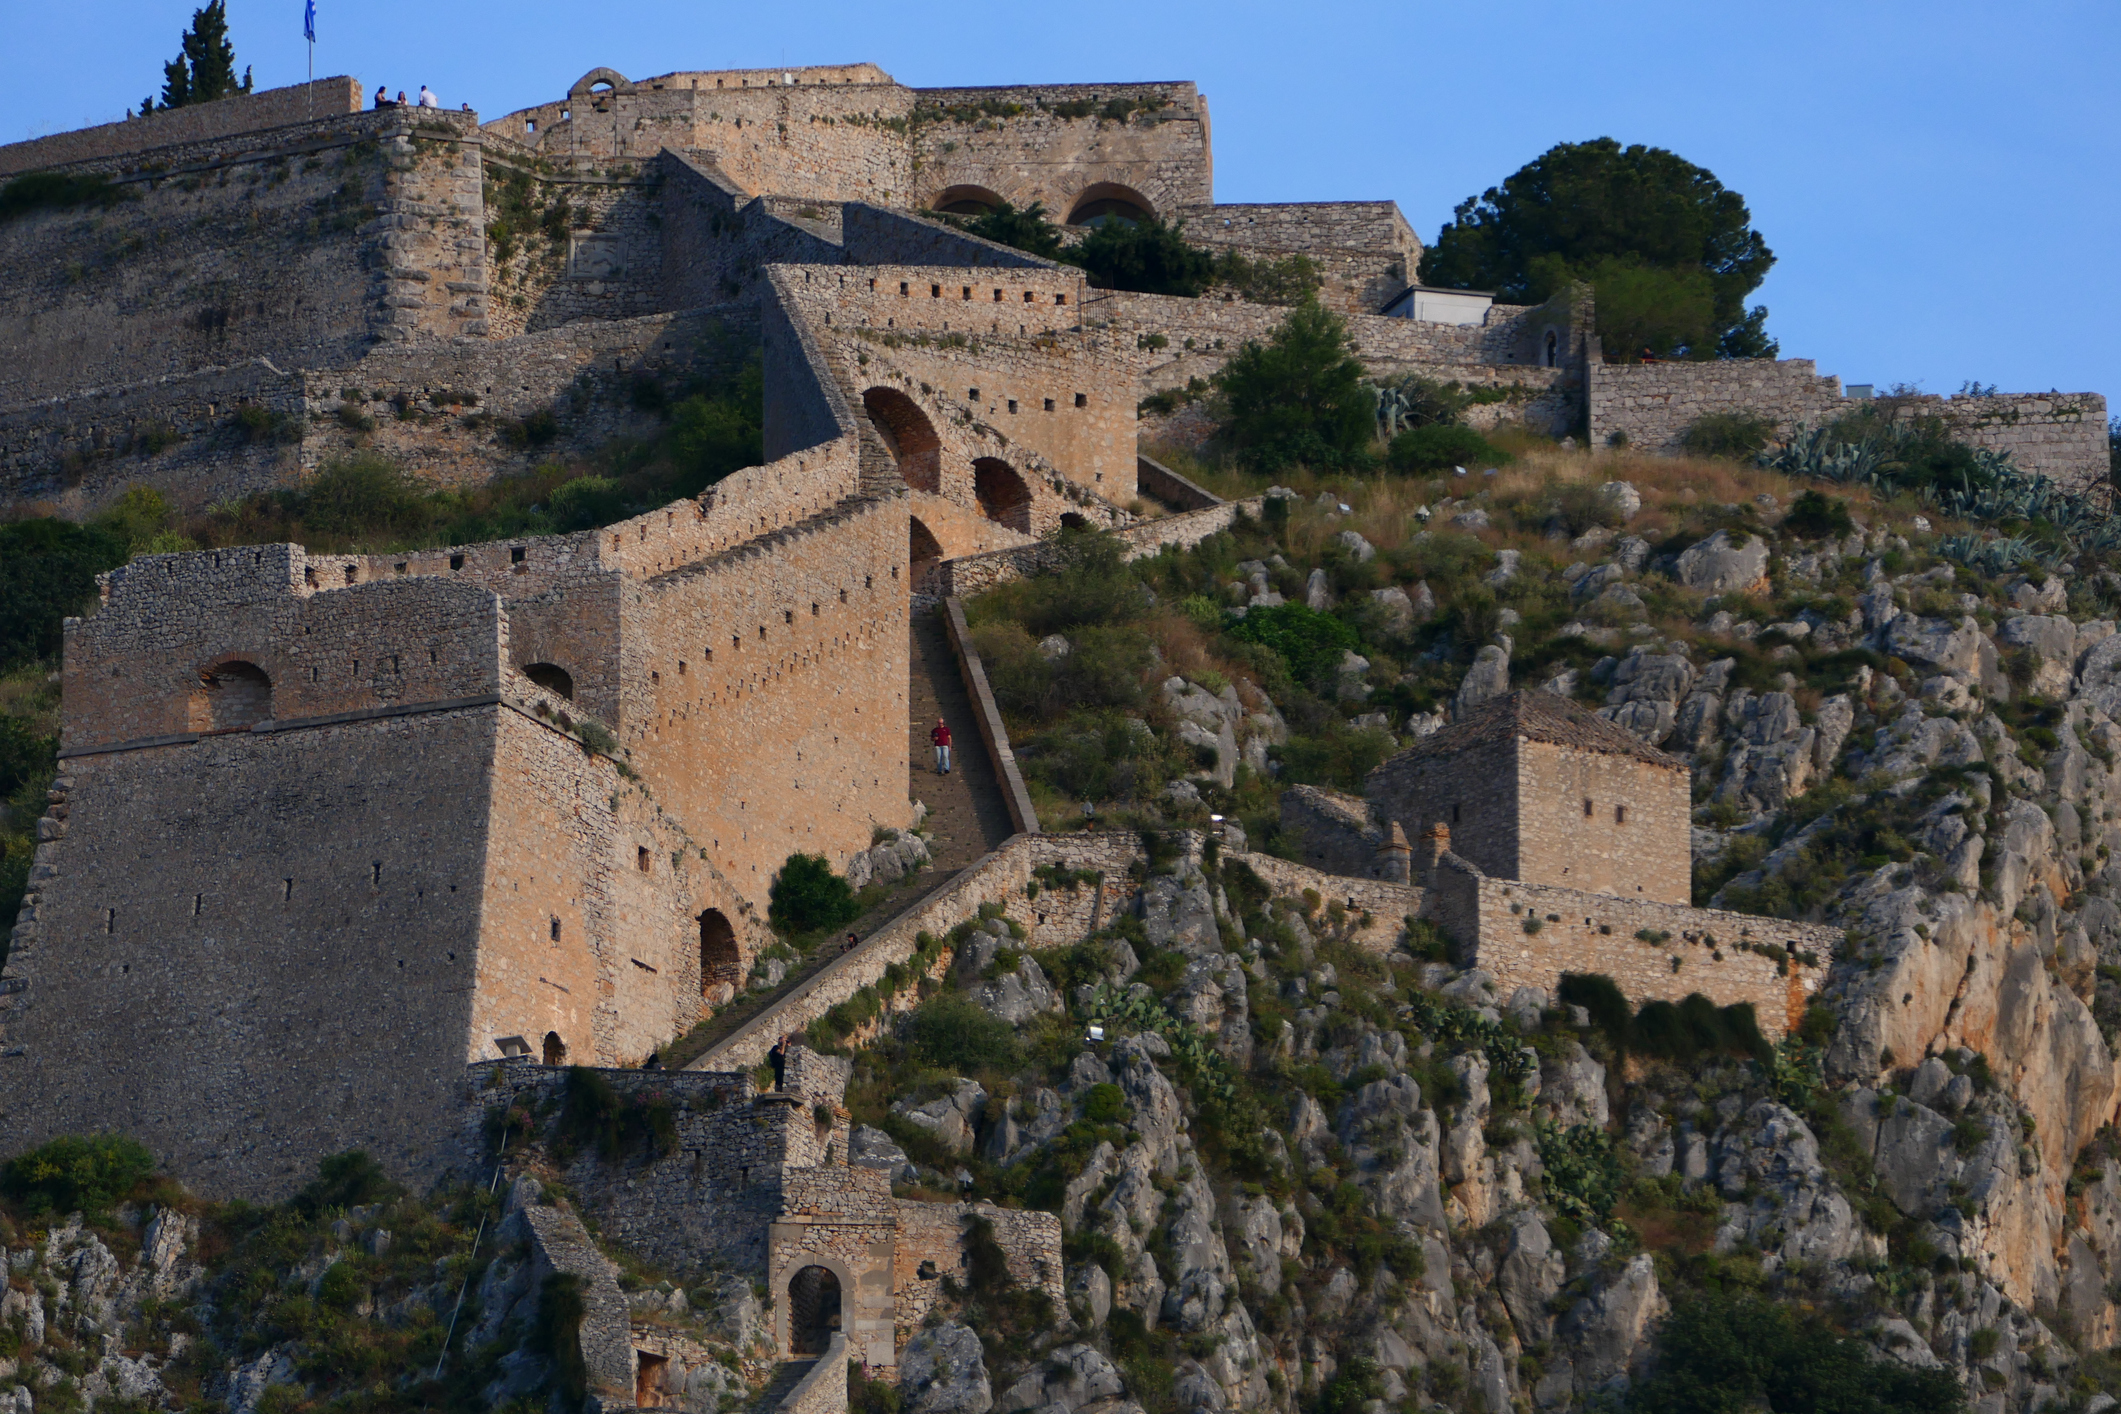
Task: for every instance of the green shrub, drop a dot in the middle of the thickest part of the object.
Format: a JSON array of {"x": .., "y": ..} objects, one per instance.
[
  {"x": 1147, "y": 257},
  {"x": 1025, "y": 229},
  {"x": 585, "y": 502},
  {"x": 1288, "y": 281},
  {"x": 263, "y": 426},
  {"x": 1310, "y": 643},
  {"x": 1814, "y": 515},
  {"x": 1682, "y": 1031},
  {"x": 362, "y": 496},
  {"x": 1105, "y": 1104},
  {"x": 48, "y": 571},
  {"x": 1299, "y": 398},
  {"x": 74, "y": 1173},
  {"x": 558, "y": 1335},
  {"x": 345, "y": 1180},
  {"x": 1738, "y": 435},
  {"x": 1440, "y": 446},
  {"x": 806, "y": 896},
  {"x": 948, "y": 1032},
  {"x": 1747, "y": 1351}
]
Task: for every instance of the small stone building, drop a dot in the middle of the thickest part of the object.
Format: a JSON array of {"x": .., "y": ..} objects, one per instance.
[{"x": 1535, "y": 788}]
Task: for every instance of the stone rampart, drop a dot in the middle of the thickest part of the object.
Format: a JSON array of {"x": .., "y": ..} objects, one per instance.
[
  {"x": 875, "y": 235},
  {"x": 998, "y": 878},
  {"x": 994, "y": 733},
  {"x": 2061, "y": 436},
  {"x": 1155, "y": 479},
  {"x": 1530, "y": 934},
  {"x": 975, "y": 574},
  {"x": 931, "y": 1246},
  {"x": 824, "y": 1389},
  {"x": 201, "y": 122},
  {"x": 1365, "y": 250},
  {"x": 1387, "y": 905},
  {"x": 1063, "y": 146}
]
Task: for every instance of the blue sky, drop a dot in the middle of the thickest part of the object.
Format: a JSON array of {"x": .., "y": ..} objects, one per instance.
[{"x": 1938, "y": 180}]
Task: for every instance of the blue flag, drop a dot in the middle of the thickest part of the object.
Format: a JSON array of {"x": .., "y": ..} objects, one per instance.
[{"x": 309, "y": 20}]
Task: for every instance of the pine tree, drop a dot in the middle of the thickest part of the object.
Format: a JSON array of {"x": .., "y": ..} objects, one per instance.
[{"x": 205, "y": 69}]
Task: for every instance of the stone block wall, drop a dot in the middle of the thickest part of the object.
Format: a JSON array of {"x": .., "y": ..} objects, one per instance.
[
  {"x": 607, "y": 265},
  {"x": 1727, "y": 957},
  {"x": 202, "y": 122},
  {"x": 1338, "y": 834},
  {"x": 1603, "y": 823},
  {"x": 932, "y": 1245},
  {"x": 2061, "y": 436},
  {"x": 1388, "y": 905},
  {"x": 875, "y": 235},
  {"x": 1365, "y": 249},
  {"x": 964, "y": 578},
  {"x": 968, "y": 140},
  {"x": 1650, "y": 406}
]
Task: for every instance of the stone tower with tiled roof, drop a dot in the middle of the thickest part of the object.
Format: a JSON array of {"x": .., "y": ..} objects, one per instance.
[{"x": 1533, "y": 787}]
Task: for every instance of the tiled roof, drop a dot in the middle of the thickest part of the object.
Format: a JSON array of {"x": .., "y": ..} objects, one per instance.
[{"x": 1535, "y": 716}]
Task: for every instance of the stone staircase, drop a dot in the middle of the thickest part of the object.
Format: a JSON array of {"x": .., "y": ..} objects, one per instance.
[
  {"x": 967, "y": 813},
  {"x": 786, "y": 1376}
]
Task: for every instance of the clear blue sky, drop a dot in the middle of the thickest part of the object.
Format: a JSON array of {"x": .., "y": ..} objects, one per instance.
[{"x": 1938, "y": 180}]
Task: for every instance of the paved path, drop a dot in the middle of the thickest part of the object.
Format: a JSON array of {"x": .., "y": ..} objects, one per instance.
[{"x": 966, "y": 811}]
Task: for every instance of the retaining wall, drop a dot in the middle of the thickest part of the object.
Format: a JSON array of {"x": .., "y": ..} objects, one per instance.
[{"x": 243, "y": 113}]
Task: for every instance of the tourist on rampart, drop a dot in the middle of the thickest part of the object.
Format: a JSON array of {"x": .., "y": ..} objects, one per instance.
[
  {"x": 383, "y": 97},
  {"x": 778, "y": 1059},
  {"x": 427, "y": 97},
  {"x": 401, "y": 98},
  {"x": 941, "y": 737},
  {"x": 851, "y": 944}
]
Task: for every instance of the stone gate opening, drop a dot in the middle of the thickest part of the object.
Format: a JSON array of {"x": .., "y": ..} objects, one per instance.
[
  {"x": 926, "y": 550},
  {"x": 1003, "y": 497},
  {"x": 232, "y": 696},
  {"x": 721, "y": 964},
  {"x": 908, "y": 435},
  {"x": 555, "y": 1049},
  {"x": 813, "y": 1310},
  {"x": 648, "y": 1380},
  {"x": 552, "y": 677}
]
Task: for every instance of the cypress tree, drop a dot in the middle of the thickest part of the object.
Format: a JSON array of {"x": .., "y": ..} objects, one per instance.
[{"x": 205, "y": 67}]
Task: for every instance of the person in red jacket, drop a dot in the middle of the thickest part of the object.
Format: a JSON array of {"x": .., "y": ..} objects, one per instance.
[{"x": 941, "y": 737}]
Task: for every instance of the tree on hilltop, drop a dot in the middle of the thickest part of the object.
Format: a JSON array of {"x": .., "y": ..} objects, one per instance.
[
  {"x": 1299, "y": 397},
  {"x": 1669, "y": 250},
  {"x": 205, "y": 66}
]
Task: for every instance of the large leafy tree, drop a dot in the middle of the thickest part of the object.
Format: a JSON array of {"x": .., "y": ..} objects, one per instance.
[
  {"x": 1670, "y": 252},
  {"x": 1299, "y": 397},
  {"x": 205, "y": 66}
]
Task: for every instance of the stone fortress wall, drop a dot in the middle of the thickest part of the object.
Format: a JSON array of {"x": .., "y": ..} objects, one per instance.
[
  {"x": 1365, "y": 250},
  {"x": 2061, "y": 436},
  {"x": 202, "y": 122}
]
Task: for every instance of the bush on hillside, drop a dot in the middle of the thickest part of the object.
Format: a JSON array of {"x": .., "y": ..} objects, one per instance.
[
  {"x": 806, "y": 896},
  {"x": 1748, "y": 1351},
  {"x": 1299, "y": 398},
  {"x": 74, "y": 1173},
  {"x": 1148, "y": 257},
  {"x": 1439, "y": 447},
  {"x": 949, "y": 1033},
  {"x": 362, "y": 497},
  {"x": 1094, "y": 588},
  {"x": 48, "y": 571},
  {"x": 1309, "y": 643},
  {"x": 1738, "y": 435},
  {"x": 1813, "y": 516}
]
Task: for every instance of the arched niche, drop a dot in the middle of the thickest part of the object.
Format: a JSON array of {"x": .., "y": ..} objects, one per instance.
[
  {"x": 233, "y": 695},
  {"x": 1109, "y": 201},
  {"x": 552, "y": 677},
  {"x": 814, "y": 1314},
  {"x": 555, "y": 1049},
  {"x": 608, "y": 79},
  {"x": 967, "y": 200},
  {"x": 908, "y": 435},
  {"x": 1003, "y": 497},
  {"x": 721, "y": 962},
  {"x": 925, "y": 551}
]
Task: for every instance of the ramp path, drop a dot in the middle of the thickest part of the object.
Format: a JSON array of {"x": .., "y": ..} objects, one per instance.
[{"x": 967, "y": 819}]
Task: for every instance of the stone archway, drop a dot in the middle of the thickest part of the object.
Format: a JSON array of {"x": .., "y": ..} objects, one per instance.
[
  {"x": 232, "y": 696},
  {"x": 966, "y": 199},
  {"x": 721, "y": 963},
  {"x": 813, "y": 1310},
  {"x": 1109, "y": 201},
  {"x": 908, "y": 435},
  {"x": 926, "y": 552},
  {"x": 552, "y": 677},
  {"x": 1003, "y": 496}
]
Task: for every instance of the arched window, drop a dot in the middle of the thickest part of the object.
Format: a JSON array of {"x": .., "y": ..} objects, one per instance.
[
  {"x": 1003, "y": 497},
  {"x": 1553, "y": 348},
  {"x": 1109, "y": 201},
  {"x": 927, "y": 551},
  {"x": 233, "y": 696},
  {"x": 721, "y": 965},
  {"x": 813, "y": 1310},
  {"x": 552, "y": 677},
  {"x": 908, "y": 435},
  {"x": 555, "y": 1049},
  {"x": 967, "y": 201}
]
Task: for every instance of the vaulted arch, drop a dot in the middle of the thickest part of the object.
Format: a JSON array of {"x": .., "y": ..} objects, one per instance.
[
  {"x": 1003, "y": 496},
  {"x": 1109, "y": 201},
  {"x": 908, "y": 435},
  {"x": 966, "y": 199},
  {"x": 926, "y": 551},
  {"x": 233, "y": 695}
]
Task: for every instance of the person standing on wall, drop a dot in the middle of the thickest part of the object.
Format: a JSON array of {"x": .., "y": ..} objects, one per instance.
[
  {"x": 941, "y": 737},
  {"x": 778, "y": 1059}
]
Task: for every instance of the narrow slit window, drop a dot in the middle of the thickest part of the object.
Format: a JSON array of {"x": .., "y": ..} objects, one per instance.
[
  {"x": 644, "y": 860},
  {"x": 1586, "y": 807},
  {"x": 1082, "y": 400},
  {"x": 1620, "y": 814},
  {"x": 556, "y": 928}
]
